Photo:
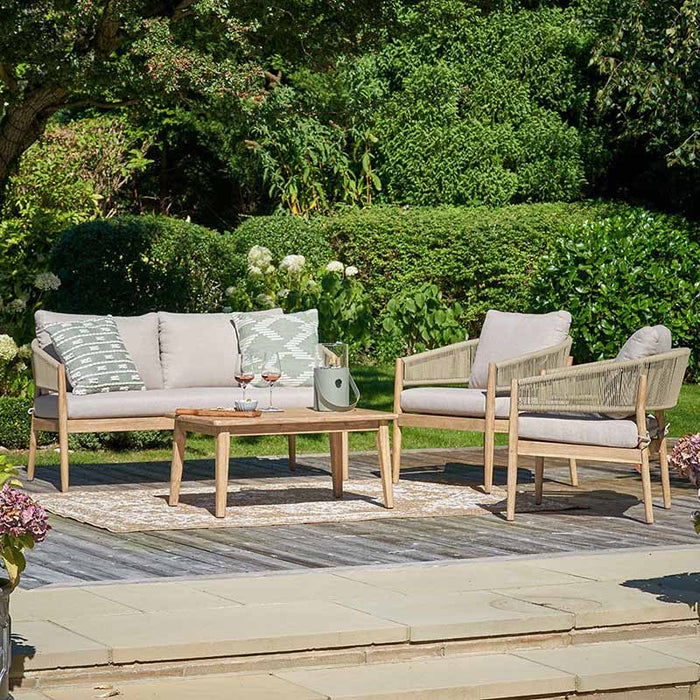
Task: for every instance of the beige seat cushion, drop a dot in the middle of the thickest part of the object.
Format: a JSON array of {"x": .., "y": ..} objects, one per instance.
[
  {"x": 451, "y": 401},
  {"x": 647, "y": 341},
  {"x": 507, "y": 335},
  {"x": 136, "y": 404},
  {"x": 138, "y": 333},
  {"x": 580, "y": 429}
]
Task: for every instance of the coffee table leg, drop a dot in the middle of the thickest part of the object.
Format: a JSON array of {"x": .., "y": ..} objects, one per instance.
[
  {"x": 179, "y": 439},
  {"x": 223, "y": 446},
  {"x": 346, "y": 455},
  {"x": 385, "y": 464},
  {"x": 336, "y": 440}
]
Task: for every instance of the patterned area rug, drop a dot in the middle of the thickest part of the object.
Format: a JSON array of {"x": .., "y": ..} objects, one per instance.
[{"x": 259, "y": 503}]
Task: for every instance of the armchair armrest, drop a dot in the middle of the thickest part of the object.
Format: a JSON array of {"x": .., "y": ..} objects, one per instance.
[
  {"x": 449, "y": 365},
  {"x": 607, "y": 387},
  {"x": 47, "y": 370},
  {"x": 532, "y": 364}
]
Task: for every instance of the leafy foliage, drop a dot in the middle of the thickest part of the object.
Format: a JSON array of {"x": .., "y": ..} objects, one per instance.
[
  {"x": 423, "y": 320},
  {"x": 621, "y": 273},
  {"x": 134, "y": 264}
]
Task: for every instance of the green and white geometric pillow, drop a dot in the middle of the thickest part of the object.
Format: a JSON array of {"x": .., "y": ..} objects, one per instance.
[
  {"x": 95, "y": 357},
  {"x": 293, "y": 336}
]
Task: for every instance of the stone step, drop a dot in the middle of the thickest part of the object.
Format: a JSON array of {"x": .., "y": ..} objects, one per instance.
[
  {"x": 356, "y": 616},
  {"x": 666, "y": 669}
]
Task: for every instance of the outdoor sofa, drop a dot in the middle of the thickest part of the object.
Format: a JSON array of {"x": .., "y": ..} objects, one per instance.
[{"x": 184, "y": 360}]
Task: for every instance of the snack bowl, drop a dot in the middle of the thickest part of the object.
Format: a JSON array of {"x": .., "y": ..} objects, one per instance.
[{"x": 245, "y": 404}]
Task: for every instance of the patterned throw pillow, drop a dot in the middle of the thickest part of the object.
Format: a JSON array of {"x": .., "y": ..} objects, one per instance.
[
  {"x": 95, "y": 357},
  {"x": 293, "y": 336}
]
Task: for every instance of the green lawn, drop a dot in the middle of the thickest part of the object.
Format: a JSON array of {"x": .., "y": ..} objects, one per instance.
[{"x": 376, "y": 385}]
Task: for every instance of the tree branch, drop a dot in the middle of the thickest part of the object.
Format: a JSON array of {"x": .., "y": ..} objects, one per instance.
[{"x": 100, "y": 104}]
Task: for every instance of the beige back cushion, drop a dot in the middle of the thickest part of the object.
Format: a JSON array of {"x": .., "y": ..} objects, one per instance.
[
  {"x": 507, "y": 335},
  {"x": 647, "y": 341},
  {"x": 138, "y": 333}
]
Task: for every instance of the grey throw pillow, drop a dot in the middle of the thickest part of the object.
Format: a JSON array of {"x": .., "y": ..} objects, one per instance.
[
  {"x": 507, "y": 335},
  {"x": 94, "y": 356},
  {"x": 647, "y": 341},
  {"x": 293, "y": 336}
]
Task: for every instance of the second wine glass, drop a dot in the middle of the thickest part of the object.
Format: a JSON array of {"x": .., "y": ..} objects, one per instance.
[
  {"x": 271, "y": 371},
  {"x": 245, "y": 373}
]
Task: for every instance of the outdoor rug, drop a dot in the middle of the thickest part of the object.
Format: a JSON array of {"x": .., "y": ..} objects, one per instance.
[{"x": 264, "y": 503}]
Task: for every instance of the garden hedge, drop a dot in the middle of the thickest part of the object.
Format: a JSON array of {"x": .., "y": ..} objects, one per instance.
[
  {"x": 134, "y": 264},
  {"x": 15, "y": 422}
]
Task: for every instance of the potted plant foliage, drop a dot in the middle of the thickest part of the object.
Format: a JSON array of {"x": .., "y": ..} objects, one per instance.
[
  {"x": 23, "y": 523},
  {"x": 685, "y": 457}
]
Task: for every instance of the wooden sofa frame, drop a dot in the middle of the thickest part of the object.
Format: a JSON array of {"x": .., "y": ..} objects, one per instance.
[{"x": 50, "y": 377}]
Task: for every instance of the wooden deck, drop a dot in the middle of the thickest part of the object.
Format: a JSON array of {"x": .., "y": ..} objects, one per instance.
[{"x": 608, "y": 515}]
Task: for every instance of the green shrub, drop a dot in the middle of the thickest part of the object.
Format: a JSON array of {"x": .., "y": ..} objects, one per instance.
[
  {"x": 622, "y": 273},
  {"x": 134, "y": 440},
  {"x": 15, "y": 422},
  {"x": 134, "y": 264},
  {"x": 284, "y": 234}
]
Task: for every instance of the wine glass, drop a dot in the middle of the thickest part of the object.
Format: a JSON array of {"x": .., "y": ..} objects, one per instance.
[
  {"x": 271, "y": 372},
  {"x": 245, "y": 373}
]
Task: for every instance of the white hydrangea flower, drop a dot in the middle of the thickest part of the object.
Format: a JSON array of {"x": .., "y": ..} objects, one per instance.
[
  {"x": 270, "y": 269},
  {"x": 8, "y": 348},
  {"x": 312, "y": 286},
  {"x": 265, "y": 300},
  {"x": 351, "y": 271},
  {"x": 254, "y": 271},
  {"x": 293, "y": 263},
  {"x": 335, "y": 266},
  {"x": 24, "y": 351},
  {"x": 229, "y": 291},
  {"x": 47, "y": 281},
  {"x": 17, "y": 305},
  {"x": 259, "y": 256},
  {"x": 283, "y": 293}
]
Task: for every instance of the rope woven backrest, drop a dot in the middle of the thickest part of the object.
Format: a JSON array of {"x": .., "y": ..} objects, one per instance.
[
  {"x": 532, "y": 364},
  {"x": 449, "y": 365},
  {"x": 607, "y": 387}
]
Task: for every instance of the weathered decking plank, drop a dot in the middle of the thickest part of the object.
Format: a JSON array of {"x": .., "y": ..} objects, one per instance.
[{"x": 611, "y": 516}]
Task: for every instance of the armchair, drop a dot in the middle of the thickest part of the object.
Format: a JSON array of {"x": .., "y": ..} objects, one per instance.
[
  {"x": 596, "y": 411},
  {"x": 430, "y": 387}
]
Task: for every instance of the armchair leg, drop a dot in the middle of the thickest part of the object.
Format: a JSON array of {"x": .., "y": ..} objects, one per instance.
[
  {"x": 489, "y": 444},
  {"x": 646, "y": 488},
  {"x": 512, "y": 483},
  {"x": 573, "y": 472},
  {"x": 31, "y": 462},
  {"x": 539, "y": 479},
  {"x": 663, "y": 460},
  {"x": 396, "y": 453}
]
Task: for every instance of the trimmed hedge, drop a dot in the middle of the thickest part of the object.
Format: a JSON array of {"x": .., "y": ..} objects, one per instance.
[
  {"x": 15, "y": 422},
  {"x": 134, "y": 264},
  {"x": 285, "y": 234}
]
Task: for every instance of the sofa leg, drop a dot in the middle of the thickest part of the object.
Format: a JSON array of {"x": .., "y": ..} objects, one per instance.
[
  {"x": 292, "y": 442},
  {"x": 31, "y": 462},
  {"x": 573, "y": 472},
  {"x": 646, "y": 488},
  {"x": 396, "y": 453},
  {"x": 63, "y": 447}
]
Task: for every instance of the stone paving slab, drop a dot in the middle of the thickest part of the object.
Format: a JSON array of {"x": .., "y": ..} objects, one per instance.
[
  {"x": 466, "y": 615},
  {"x": 253, "y": 629},
  {"x": 622, "y": 566},
  {"x": 604, "y": 603},
  {"x": 469, "y": 677},
  {"x": 254, "y": 687},
  {"x": 459, "y": 577},
  {"x": 159, "y": 596},
  {"x": 41, "y": 644},
  {"x": 611, "y": 666},
  {"x": 62, "y": 602},
  {"x": 288, "y": 588},
  {"x": 687, "y": 648}
]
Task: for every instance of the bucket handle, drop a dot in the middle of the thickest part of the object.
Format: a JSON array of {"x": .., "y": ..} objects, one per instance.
[{"x": 334, "y": 407}]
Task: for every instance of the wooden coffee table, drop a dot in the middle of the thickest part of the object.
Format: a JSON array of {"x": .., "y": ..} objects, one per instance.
[{"x": 293, "y": 421}]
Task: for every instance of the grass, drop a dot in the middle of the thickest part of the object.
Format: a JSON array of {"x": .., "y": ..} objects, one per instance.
[{"x": 377, "y": 386}]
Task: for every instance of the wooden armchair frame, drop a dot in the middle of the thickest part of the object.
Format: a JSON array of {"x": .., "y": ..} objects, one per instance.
[
  {"x": 633, "y": 387},
  {"x": 451, "y": 366}
]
